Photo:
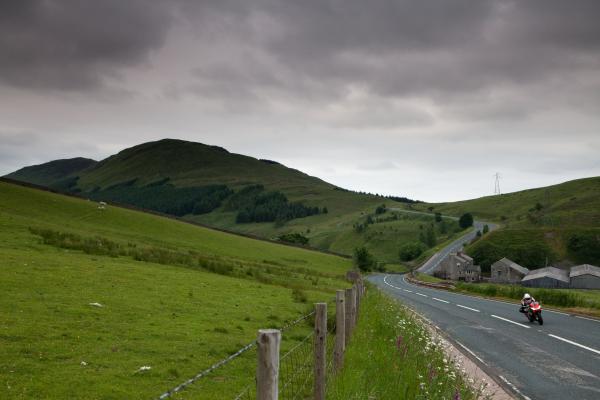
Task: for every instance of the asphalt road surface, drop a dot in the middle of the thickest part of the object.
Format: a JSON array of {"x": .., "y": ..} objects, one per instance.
[{"x": 559, "y": 360}]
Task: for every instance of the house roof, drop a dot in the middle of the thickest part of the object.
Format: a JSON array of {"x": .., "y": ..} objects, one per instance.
[
  {"x": 513, "y": 265},
  {"x": 464, "y": 256},
  {"x": 585, "y": 269},
  {"x": 548, "y": 272}
]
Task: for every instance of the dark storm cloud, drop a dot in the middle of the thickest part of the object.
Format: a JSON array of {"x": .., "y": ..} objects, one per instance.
[
  {"x": 75, "y": 44},
  {"x": 402, "y": 48}
]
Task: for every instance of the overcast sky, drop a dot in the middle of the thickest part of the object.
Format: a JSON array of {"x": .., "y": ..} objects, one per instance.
[{"x": 420, "y": 98}]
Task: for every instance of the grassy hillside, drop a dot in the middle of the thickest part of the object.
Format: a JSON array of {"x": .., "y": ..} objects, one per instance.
[
  {"x": 573, "y": 203},
  {"x": 161, "y": 305},
  {"x": 557, "y": 224},
  {"x": 206, "y": 184}
]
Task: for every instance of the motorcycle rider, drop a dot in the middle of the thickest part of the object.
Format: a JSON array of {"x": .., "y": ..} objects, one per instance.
[{"x": 526, "y": 301}]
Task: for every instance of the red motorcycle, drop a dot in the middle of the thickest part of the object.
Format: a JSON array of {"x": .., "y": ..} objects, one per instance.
[{"x": 533, "y": 312}]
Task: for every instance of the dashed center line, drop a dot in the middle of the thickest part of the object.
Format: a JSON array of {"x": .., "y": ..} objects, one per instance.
[
  {"x": 468, "y": 308},
  {"x": 574, "y": 343},
  {"x": 409, "y": 291},
  {"x": 512, "y": 322},
  {"x": 443, "y": 301},
  {"x": 421, "y": 294}
]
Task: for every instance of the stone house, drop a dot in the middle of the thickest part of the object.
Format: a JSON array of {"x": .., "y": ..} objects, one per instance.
[
  {"x": 507, "y": 271},
  {"x": 585, "y": 276},
  {"x": 458, "y": 267}
]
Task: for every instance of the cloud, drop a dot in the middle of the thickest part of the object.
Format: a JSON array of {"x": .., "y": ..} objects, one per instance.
[
  {"x": 361, "y": 93},
  {"x": 76, "y": 44}
]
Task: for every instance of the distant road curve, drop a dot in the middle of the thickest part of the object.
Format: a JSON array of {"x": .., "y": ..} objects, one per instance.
[{"x": 435, "y": 259}]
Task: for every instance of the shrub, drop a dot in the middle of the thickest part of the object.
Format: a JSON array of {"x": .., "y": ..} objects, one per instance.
[
  {"x": 584, "y": 247},
  {"x": 465, "y": 220},
  {"x": 363, "y": 259},
  {"x": 410, "y": 251},
  {"x": 297, "y": 238},
  {"x": 380, "y": 209}
]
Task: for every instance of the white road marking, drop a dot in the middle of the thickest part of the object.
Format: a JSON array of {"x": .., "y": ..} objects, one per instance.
[
  {"x": 574, "y": 343},
  {"x": 516, "y": 304},
  {"x": 443, "y": 301},
  {"x": 421, "y": 294},
  {"x": 470, "y": 352},
  {"x": 409, "y": 291},
  {"x": 513, "y": 387},
  {"x": 468, "y": 308},
  {"x": 389, "y": 284},
  {"x": 589, "y": 319},
  {"x": 512, "y": 322}
]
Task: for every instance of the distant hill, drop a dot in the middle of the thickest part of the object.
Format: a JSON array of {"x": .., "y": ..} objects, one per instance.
[
  {"x": 558, "y": 224},
  {"x": 210, "y": 185},
  {"x": 54, "y": 174}
]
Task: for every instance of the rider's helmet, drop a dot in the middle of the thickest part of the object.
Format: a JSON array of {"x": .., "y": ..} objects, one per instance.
[{"x": 527, "y": 296}]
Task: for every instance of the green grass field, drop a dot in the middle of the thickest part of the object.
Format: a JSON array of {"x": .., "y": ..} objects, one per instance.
[{"x": 178, "y": 319}]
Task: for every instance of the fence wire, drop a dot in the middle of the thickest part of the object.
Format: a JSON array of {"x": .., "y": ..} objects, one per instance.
[
  {"x": 296, "y": 370},
  {"x": 296, "y": 366}
]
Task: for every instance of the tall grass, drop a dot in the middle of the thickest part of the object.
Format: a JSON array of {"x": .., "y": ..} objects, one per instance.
[
  {"x": 296, "y": 278},
  {"x": 553, "y": 297},
  {"x": 392, "y": 356}
]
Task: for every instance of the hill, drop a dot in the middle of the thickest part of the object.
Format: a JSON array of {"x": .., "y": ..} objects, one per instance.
[
  {"x": 172, "y": 296},
  {"x": 558, "y": 224},
  {"x": 209, "y": 185},
  {"x": 56, "y": 174}
]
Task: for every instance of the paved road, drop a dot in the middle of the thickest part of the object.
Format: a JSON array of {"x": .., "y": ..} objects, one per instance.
[
  {"x": 433, "y": 262},
  {"x": 559, "y": 360}
]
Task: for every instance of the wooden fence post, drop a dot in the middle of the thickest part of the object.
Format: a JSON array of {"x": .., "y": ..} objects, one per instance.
[
  {"x": 353, "y": 296},
  {"x": 320, "y": 350},
  {"x": 347, "y": 315},
  {"x": 267, "y": 371},
  {"x": 340, "y": 330},
  {"x": 358, "y": 298}
]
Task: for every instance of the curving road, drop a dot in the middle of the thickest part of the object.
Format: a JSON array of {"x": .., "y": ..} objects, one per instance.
[
  {"x": 457, "y": 244},
  {"x": 559, "y": 360},
  {"x": 429, "y": 265}
]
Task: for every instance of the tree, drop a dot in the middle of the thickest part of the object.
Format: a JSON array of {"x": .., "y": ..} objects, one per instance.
[
  {"x": 380, "y": 209},
  {"x": 410, "y": 251},
  {"x": 465, "y": 221},
  {"x": 486, "y": 229},
  {"x": 363, "y": 259},
  {"x": 427, "y": 236},
  {"x": 438, "y": 217}
]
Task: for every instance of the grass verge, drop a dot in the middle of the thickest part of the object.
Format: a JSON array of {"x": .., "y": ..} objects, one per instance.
[
  {"x": 392, "y": 356},
  {"x": 427, "y": 278}
]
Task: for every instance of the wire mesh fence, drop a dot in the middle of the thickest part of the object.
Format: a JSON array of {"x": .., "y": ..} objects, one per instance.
[{"x": 296, "y": 367}]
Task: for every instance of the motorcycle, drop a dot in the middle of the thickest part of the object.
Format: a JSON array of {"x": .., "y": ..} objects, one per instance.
[{"x": 533, "y": 312}]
